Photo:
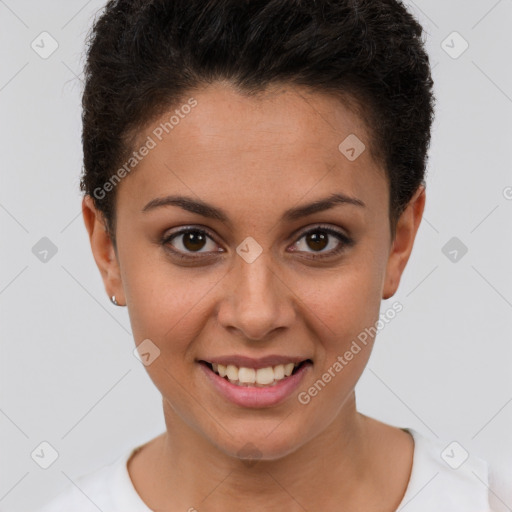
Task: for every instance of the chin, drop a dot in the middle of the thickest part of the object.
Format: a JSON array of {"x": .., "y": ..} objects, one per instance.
[{"x": 255, "y": 443}]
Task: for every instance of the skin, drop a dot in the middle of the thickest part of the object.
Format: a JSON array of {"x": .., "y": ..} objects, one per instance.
[{"x": 256, "y": 157}]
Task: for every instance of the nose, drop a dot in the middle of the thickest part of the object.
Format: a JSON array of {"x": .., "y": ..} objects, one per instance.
[{"x": 257, "y": 300}]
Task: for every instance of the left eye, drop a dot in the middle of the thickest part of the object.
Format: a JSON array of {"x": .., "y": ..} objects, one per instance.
[{"x": 322, "y": 240}]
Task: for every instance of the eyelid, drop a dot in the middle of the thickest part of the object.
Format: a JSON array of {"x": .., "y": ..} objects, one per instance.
[
  {"x": 185, "y": 229},
  {"x": 312, "y": 227}
]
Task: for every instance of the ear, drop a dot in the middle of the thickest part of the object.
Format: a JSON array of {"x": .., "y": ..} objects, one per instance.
[
  {"x": 406, "y": 229},
  {"x": 103, "y": 250}
]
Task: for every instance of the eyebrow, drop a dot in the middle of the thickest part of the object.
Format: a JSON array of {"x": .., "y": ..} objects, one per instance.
[{"x": 212, "y": 212}]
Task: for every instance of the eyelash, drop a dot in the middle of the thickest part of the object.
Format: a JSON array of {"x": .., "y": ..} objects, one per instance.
[{"x": 345, "y": 241}]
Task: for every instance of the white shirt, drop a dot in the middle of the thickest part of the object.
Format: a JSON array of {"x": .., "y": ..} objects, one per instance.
[{"x": 434, "y": 485}]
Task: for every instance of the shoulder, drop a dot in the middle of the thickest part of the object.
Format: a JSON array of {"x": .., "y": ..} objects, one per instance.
[
  {"x": 447, "y": 478},
  {"x": 108, "y": 489}
]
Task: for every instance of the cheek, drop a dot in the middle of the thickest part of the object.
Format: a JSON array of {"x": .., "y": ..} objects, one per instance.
[
  {"x": 342, "y": 303},
  {"x": 340, "y": 312},
  {"x": 165, "y": 303},
  {"x": 169, "y": 308}
]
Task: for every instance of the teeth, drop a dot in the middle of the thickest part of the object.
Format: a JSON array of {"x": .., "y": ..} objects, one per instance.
[
  {"x": 279, "y": 372},
  {"x": 247, "y": 375},
  {"x": 265, "y": 375},
  {"x": 232, "y": 372},
  {"x": 288, "y": 369},
  {"x": 243, "y": 376}
]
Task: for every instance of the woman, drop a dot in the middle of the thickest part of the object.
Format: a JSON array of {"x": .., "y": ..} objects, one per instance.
[{"x": 254, "y": 179}]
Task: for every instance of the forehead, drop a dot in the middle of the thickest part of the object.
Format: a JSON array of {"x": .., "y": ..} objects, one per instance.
[
  {"x": 287, "y": 121},
  {"x": 287, "y": 142}
]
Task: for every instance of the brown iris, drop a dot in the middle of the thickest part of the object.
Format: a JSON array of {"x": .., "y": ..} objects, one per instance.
[
  {"x": 194, "y": 240},
  {"x": 317, "y": 240}
]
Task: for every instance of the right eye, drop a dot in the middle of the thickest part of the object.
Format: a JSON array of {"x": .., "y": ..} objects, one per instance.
[{"x": 189, "y": 241}]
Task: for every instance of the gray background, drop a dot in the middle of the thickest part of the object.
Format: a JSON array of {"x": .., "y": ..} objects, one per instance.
[{"x": 68, "y": 374}]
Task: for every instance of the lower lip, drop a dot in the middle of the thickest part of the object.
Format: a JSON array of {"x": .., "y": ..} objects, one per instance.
[{"x": 250, "y": 396}]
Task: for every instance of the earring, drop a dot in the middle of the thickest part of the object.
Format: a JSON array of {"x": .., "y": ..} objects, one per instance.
[{"x": 113, "y": 300}]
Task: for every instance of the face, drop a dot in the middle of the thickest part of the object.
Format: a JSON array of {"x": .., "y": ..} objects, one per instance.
[{"x": 225, "y": 263}]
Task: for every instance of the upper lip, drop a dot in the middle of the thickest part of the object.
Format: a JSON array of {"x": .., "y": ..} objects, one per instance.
[{"x": 250, "y": 362}]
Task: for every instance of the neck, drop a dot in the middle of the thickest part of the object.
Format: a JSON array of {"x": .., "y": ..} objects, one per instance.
[{"x": 192, "y": 472}]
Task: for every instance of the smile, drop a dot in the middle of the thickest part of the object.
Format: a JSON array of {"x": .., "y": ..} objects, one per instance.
[
  {"x": 255, "y": 377},
  {"x": 248, "y": 382}
]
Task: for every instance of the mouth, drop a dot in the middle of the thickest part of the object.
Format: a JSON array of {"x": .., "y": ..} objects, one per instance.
[{"x": 262, "y": 377}]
